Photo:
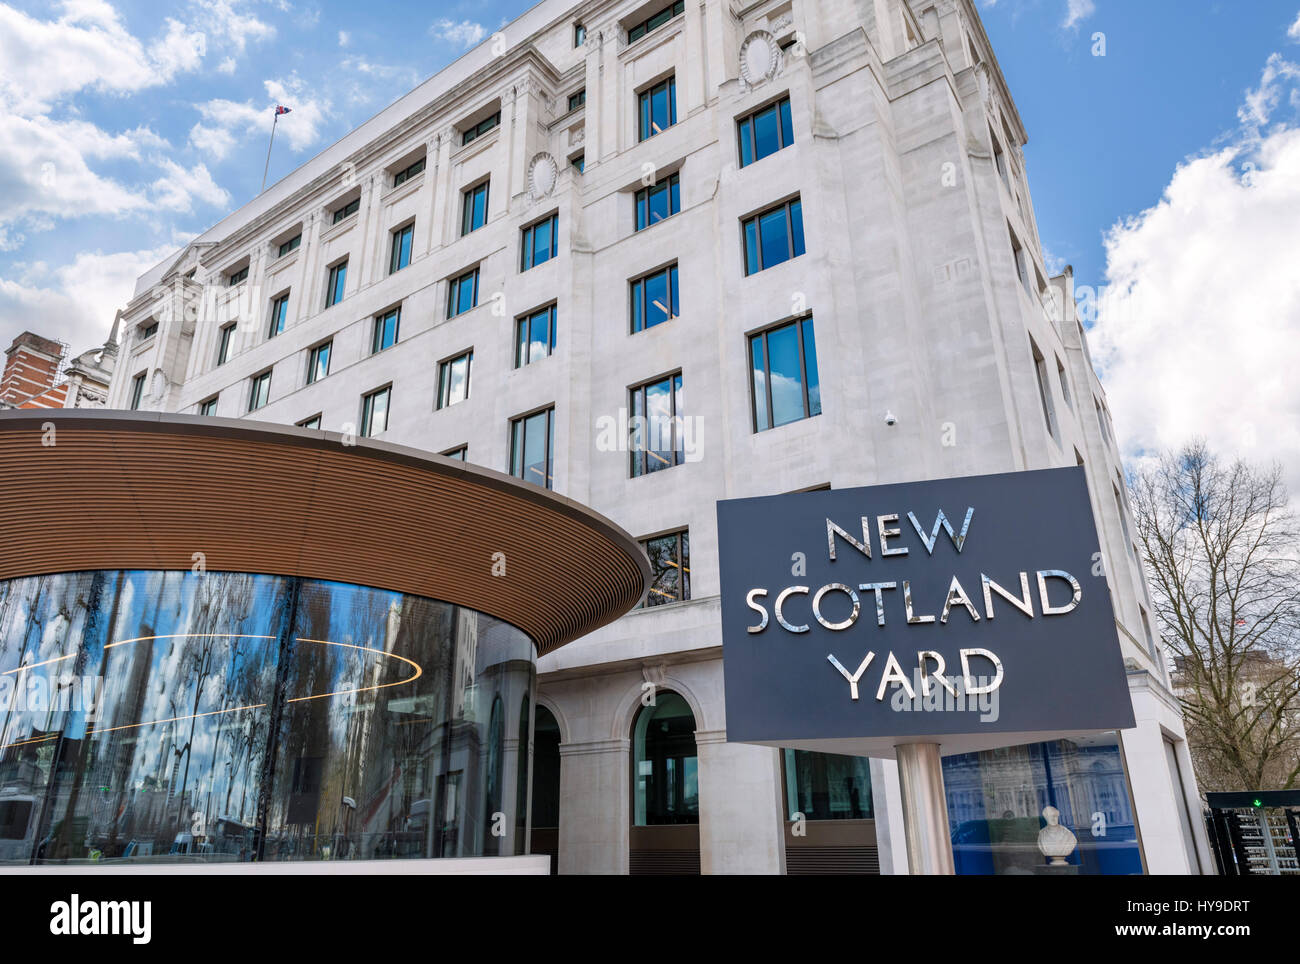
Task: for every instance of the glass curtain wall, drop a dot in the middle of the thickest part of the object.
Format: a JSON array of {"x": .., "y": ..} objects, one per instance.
[{"x": 181, "y": 717}]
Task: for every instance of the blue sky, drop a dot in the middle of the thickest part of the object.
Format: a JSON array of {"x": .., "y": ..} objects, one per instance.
[{"x": 1167, "y": 171}]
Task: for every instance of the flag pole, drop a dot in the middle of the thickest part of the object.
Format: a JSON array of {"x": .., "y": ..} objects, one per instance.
[{"x": 275, "y": 120}]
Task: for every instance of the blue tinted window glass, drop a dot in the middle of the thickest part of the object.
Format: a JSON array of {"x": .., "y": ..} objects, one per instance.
[
  {"x": 746, "y": 148},
  {"x": 751, "y": 246},
  {"x": 658, "y": 307},
  {"x": 767, "y": 133},
  {"x": 787, "y": 127},
  {"x": 659, "y": 426},
  {"x": 810, "y": 369},
  {"x": 774, "y": 241},
  {"x": 761, "y": 418},
  {"x": 787, "y": 383},
  {"x": 637, "y": 291},
  {"x": 660, "y": 199},
  {"x": 672, "y": 279},
  {"x": 796, "y": 227}
]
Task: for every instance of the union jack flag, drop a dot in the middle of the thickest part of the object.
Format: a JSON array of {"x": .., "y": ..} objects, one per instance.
[{"x": 280, "y": 110}]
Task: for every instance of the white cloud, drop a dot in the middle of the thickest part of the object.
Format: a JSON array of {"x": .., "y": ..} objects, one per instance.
[
  {"x": 178, "y": 188},
  {"x": 1294, "y": 30},
  {"x": 345, "y": 38},
  {"x": 87, "y": 47},
  {"x": 1264, "y": 99},
  {"x": 1076, "y": 11},
  {"x": 1199, "y": 332},
  {"x": 225, "y": 21},
  {"x": 465, "y": 34},
  {"x": 76, "y": 301},
  {"x": 226, "y": 124}
]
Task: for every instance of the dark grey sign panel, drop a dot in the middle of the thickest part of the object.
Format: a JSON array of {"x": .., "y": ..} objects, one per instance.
[{"x": 971, "y": 612}]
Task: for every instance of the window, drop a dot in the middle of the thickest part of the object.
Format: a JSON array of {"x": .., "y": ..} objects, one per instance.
[
  {"x": 279, "y": 315},
  {"x": 1123, "y": 521},
  {"x": 400, "y": 256},
  {"x": 223, "y": 343},
  {"x": 208, "y": 406},
  {"x": 670, "y": 568},
  {"x": 655, "y": 427},
  {"x": 313, "y": 422},
  {"x": 660, "y": 201},
  {"x": 1044, "y": 388},
  {"x": 656, "y": 108},
  {"x": 579, "y": 35},
  {"x": 532, "y": 447},
  {"x": 578, "y": 99},
  {"x": 534, "y": 336},
  {"x": 318, "y": 362},
  {"x": 637, "y": 31},
  {"x": 765, "y": 132},
  {"x": 238, "y": 275},
  {"x": 137, "y": 391},
  {"x": 374, "y": 412},
  {"x": 827, "y": 786},
  {"x": 539, "y": 241},
  {"x": 290, "y": 245},
  {"x": 453, "y": 379},
  {"x": 456, "y": 453},
  {"x": 665, "y": 765},
  {"x": 349, "y": 209},
  {"x": 148, "y": 331},
  {"x": 404, "y": 175},
  {"x": 385, "y": 331},
  {"x": 462, "y": 293},
  {"x": 1101, "y": 421},
  {"x": 774, "y": 236},
  {"x": 259, "y": 391},
  {"x": 654, "y": 298},
  {"x": 481, "y": 128},
  {"x": 474, "y": 213},
  {"x": 783, "y": 365},
  {"x": 337, "y": 281},
  {"x": 579, "y": 161},
  {"x": 1065, "y": 382},
  {"x": 1022, "y": 266}
]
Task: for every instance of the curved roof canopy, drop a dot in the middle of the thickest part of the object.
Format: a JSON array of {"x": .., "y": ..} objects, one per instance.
[{"x": 82, "y": 490}]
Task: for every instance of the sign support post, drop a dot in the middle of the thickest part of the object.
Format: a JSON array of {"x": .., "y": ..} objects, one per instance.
[{"x": 925, "y": 809}]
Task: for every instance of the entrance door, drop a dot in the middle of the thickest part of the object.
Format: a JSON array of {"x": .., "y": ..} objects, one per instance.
[
  {"x": 829, "y": 821},
  {"x": 665, "y": 837},
  {"x": 546, "y": 786}
]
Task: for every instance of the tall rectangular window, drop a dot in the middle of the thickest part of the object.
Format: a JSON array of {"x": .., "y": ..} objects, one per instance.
[
  {"x": 137, "y": 391},
  {"x": 579, "y": 35},
  {"x": 259, "y": 392},
  {"x": 655, "y": 20},
  {"x": 474, "y": 213},
  {"x": 655, "y": 426},
  {"x": 1065, "y": 382},
  {"x": 318, "y": 362},
  {"x": 347, "y": 210},
  {"x": 374, "y": 411},
  {"x": 656, "y": 108},
  {"x": 670, "y": 568},
  {"x": 1044, "y": 388},
  {"x": 475, "y": 131},
  {"x": 400, "y": 256},
  {"x": 773, "y": 236},
  {"x": 532, "y": 447},
  {"x": 385, "y": 333},
  {"x": 783, "y": 366},
  {"x": 208, "y": 406},
  {"x": 539, "y": 242},
  {"x": 578, "y": 99},
  {"x": 534, "y": 336},
  {"x": 765, "y": 132},
  {"x": 462, "y": 293},
  {"x": 224, "y": 339},
  {"x": 453, "y": 379},
  {"x": 338, "y": 279},
  {"x": 654, "y": 298},
  {"x": 279, "y": 315},
  {"x": 660, "y": 201}
]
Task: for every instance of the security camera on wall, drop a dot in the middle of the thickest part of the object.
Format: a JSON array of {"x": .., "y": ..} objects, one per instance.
[{"x": 890, "y": 419}]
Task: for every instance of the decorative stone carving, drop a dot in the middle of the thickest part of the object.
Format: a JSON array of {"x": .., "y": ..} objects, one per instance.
[
  {"x": 1055, "y": 841},
  {"x": 760, "y": 58},
  {"x": 577, "y": 135},
  {"x": 542, "y": 174}
]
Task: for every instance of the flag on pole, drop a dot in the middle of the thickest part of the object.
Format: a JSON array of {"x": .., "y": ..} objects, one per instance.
[{"x": 275, "y": 119}]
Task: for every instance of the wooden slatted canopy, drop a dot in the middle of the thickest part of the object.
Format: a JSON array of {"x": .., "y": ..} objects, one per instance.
[{"x": 83, "y": 490}]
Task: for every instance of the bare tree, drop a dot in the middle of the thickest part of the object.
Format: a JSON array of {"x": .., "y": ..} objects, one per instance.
[{"x": 1221, "y": 547}]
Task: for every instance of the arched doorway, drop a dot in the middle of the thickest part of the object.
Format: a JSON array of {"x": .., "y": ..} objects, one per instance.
[
  {"x": 546, "y": 786},
  {"x": 665, "y": 832}
]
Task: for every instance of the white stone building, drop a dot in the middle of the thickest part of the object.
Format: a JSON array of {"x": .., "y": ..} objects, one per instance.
[{"x": 910, "y": 266}]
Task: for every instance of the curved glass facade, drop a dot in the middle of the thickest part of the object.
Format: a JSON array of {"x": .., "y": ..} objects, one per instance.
[{"x": 179, "y": 717}]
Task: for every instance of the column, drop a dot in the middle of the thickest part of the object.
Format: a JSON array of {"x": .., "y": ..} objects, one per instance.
[
  {"x": 741, "y": 825},
  {"x": 426, "y": 211},
  {"x": 595, "y": 814}
]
